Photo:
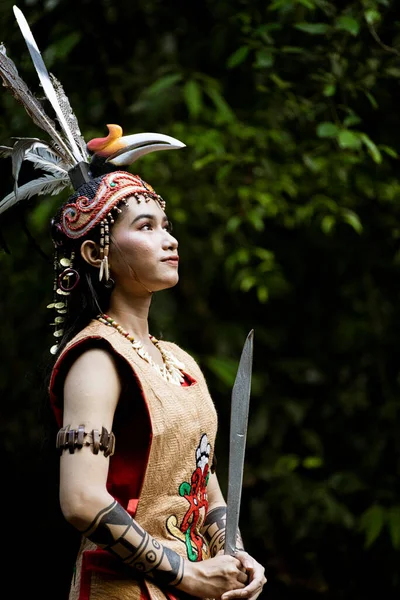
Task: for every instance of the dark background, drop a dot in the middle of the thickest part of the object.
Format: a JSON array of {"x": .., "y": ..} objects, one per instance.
[{"x": 286, "y": 206}]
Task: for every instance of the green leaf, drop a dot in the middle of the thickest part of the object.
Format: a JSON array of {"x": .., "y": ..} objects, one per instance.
[
  {"x": 371, "y": 522},
  {"x": 224, "y": 368},
  {"x": 193, "y": 97},
  {"x": 292, "y": 50},
  {"x": 280, "y": 83},
  {"x": 349, "y": 139},
  {"x": 327, "y": 129},
  {"x": 349, "y": 217},
  {"x": 233, "y": 223},
  {"x": 262, "y": 293},
  {"x": 313, "y": 28},
  {"x": 372, "y": 148},
  {"x": 238, "y": 57},
  {"x": 329, "y": 90},
  {"x": 348, "y": 24},
  {"x": 204, "y": 161},
  {"x": 163, "y": 84},
  {"x": 225, "y": 112},
  {"x": 372, "y": 17},
  {"x": 247, "y": 282},
  {"x": 393, "y": 523},
  {"x": 351, "y": 120},
  {"x": 388, "y": 150},
  {"x": 255, "y": 219},
  {"x": 371, "y": 99},
  {"x": 327, "y": 223},
  {"x": 264, "y": 59},
  {"x": 307, "y": 4},
  {"x": 393, "y": 72},
  {"x": 312, "y": 462},
  {"x": 61, "y": 49},
  {"x": 286, "y": 463}
]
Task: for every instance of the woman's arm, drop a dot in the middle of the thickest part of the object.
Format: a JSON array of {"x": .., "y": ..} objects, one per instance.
[
  {"x": 214, "y": 532},
  {"x": 214, "y": 524},
  {"x": 91, "y": 392}
]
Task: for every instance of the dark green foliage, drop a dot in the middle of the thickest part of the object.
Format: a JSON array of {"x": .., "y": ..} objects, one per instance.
[{"x": 286, "y": 206}]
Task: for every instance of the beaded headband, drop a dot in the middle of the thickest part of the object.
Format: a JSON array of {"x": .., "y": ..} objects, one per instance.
[{"x": 84, "y": 211}]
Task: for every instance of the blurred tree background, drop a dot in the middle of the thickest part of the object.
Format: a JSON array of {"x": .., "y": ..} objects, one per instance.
[{"x": 286, "y": 206}]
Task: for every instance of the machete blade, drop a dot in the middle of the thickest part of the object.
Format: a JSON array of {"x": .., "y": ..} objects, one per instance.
[{"x": 237, "y": 445}]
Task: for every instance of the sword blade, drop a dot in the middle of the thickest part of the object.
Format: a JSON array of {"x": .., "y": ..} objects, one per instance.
[{"x": 237, "y": 445}]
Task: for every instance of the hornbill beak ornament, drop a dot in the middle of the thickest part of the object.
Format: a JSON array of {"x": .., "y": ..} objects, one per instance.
[{"x": 123, "y": 150}]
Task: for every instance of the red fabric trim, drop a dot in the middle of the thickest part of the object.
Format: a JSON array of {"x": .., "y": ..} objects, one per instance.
[
  {"x": 128, "y": 465},
  {"x": 101, "y": 561},
  {"x": 132, "y": 506}
]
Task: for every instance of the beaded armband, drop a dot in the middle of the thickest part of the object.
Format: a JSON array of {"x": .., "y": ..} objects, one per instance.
[{"x": 77, "y": 438}]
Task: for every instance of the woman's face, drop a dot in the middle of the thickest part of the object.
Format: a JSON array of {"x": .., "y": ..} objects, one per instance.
[{"x": 143, "y": 254}]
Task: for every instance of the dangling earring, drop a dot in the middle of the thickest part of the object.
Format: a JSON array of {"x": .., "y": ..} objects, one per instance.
[
  {"x": 104, "y": 248},
  {"x": 105, "y": 224},
  {"x": 63, "y": 285},
  {"x": 109, "y": 283}
]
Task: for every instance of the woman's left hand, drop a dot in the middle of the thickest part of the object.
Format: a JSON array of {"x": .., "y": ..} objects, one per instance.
[{"x": 256, "y": 578}]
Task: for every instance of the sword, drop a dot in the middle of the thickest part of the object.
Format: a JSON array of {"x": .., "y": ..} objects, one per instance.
[{"x": 237, "y": 445}]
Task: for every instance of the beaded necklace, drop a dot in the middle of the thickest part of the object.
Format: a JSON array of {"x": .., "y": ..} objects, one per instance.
[{"x": 171, "y": 370}]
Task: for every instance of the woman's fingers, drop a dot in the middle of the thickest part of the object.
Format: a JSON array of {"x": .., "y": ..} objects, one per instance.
[{"x": 255, "y": 578}]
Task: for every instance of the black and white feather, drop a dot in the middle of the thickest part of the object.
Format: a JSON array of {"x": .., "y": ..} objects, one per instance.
[
  {"x": 42, "y": 157},
  {"x": 47, "y": 85},
  {"x": 66, "y": 148}
]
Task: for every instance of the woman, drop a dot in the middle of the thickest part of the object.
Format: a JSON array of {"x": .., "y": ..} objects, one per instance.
[
  {"x": 137, "y": 423},
  {"x": 154, "y": 511}
]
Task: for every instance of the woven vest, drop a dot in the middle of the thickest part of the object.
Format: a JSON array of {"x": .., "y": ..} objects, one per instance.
[{"x": 172, "y": 504}]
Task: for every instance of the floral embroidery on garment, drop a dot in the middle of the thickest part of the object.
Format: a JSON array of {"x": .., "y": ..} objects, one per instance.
[{"x": 195, "y": 493}]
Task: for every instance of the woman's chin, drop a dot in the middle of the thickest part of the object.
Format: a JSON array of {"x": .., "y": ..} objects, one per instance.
[
  {"x": 173, "y": 280},
  {"x": 165, "y": 284}
]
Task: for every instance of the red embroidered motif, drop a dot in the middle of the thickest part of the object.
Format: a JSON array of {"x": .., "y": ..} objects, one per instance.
[
  {"x": 79, "y": 217},
  {"x": 195, "y": 493}
]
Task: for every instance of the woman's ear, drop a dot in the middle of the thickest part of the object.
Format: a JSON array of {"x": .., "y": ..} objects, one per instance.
[{"x": 90, "y": 252}]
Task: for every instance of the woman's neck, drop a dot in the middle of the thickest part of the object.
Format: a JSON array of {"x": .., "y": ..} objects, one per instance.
[{"x": 132, "y": 313}]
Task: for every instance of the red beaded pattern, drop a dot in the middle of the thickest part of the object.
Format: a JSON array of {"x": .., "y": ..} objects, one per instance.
[{"x": 79, "y": 217}]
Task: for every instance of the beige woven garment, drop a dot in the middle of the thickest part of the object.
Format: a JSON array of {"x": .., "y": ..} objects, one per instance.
[{"x": 184, "y": 426}]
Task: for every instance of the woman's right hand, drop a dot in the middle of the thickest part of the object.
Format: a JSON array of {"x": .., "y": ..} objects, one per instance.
[{"x": 212, "y": 577}]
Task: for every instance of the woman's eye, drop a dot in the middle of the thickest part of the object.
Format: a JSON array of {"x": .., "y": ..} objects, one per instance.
[
  {"x": 145, "y": 226},
  {"x": 168, "y": 227}
]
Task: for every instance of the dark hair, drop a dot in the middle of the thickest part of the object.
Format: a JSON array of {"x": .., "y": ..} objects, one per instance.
[{"x": 90, "y": 296}]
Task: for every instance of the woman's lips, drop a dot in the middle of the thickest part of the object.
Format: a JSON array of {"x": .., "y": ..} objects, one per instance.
[{"x": 173, "y": 260}]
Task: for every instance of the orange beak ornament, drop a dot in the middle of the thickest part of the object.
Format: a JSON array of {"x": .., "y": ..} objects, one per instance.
[{"x": 122, "y": 150}]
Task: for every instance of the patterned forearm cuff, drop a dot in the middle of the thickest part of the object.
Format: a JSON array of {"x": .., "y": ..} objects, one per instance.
[{"x": 214, "y": 531}]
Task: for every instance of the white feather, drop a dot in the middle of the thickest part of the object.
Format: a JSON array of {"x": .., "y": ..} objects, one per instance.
[
  {"x": 43, "y": 185},
  {"x": 20, "y": 148},
  {"x": 45, "y": 80},
  {"x": 5, "y": 151},
  {"x": 44, "y": 158}
]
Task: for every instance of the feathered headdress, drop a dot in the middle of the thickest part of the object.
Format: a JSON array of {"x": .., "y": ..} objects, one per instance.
[
  {"x": 65, "y": 160},
  {"x": 92, "y": 170}
]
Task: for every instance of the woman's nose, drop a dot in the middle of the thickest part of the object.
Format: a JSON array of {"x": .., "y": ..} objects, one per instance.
[{"x": 170, "y": 242}]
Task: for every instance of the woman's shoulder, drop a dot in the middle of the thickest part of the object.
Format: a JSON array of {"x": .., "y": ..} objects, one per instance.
[
  {"x": 94, "y": 359},
  {"x": 93, "y": 374},
  {"x": 89, "y": 355},
  {"x": 91, "y": 338}
]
